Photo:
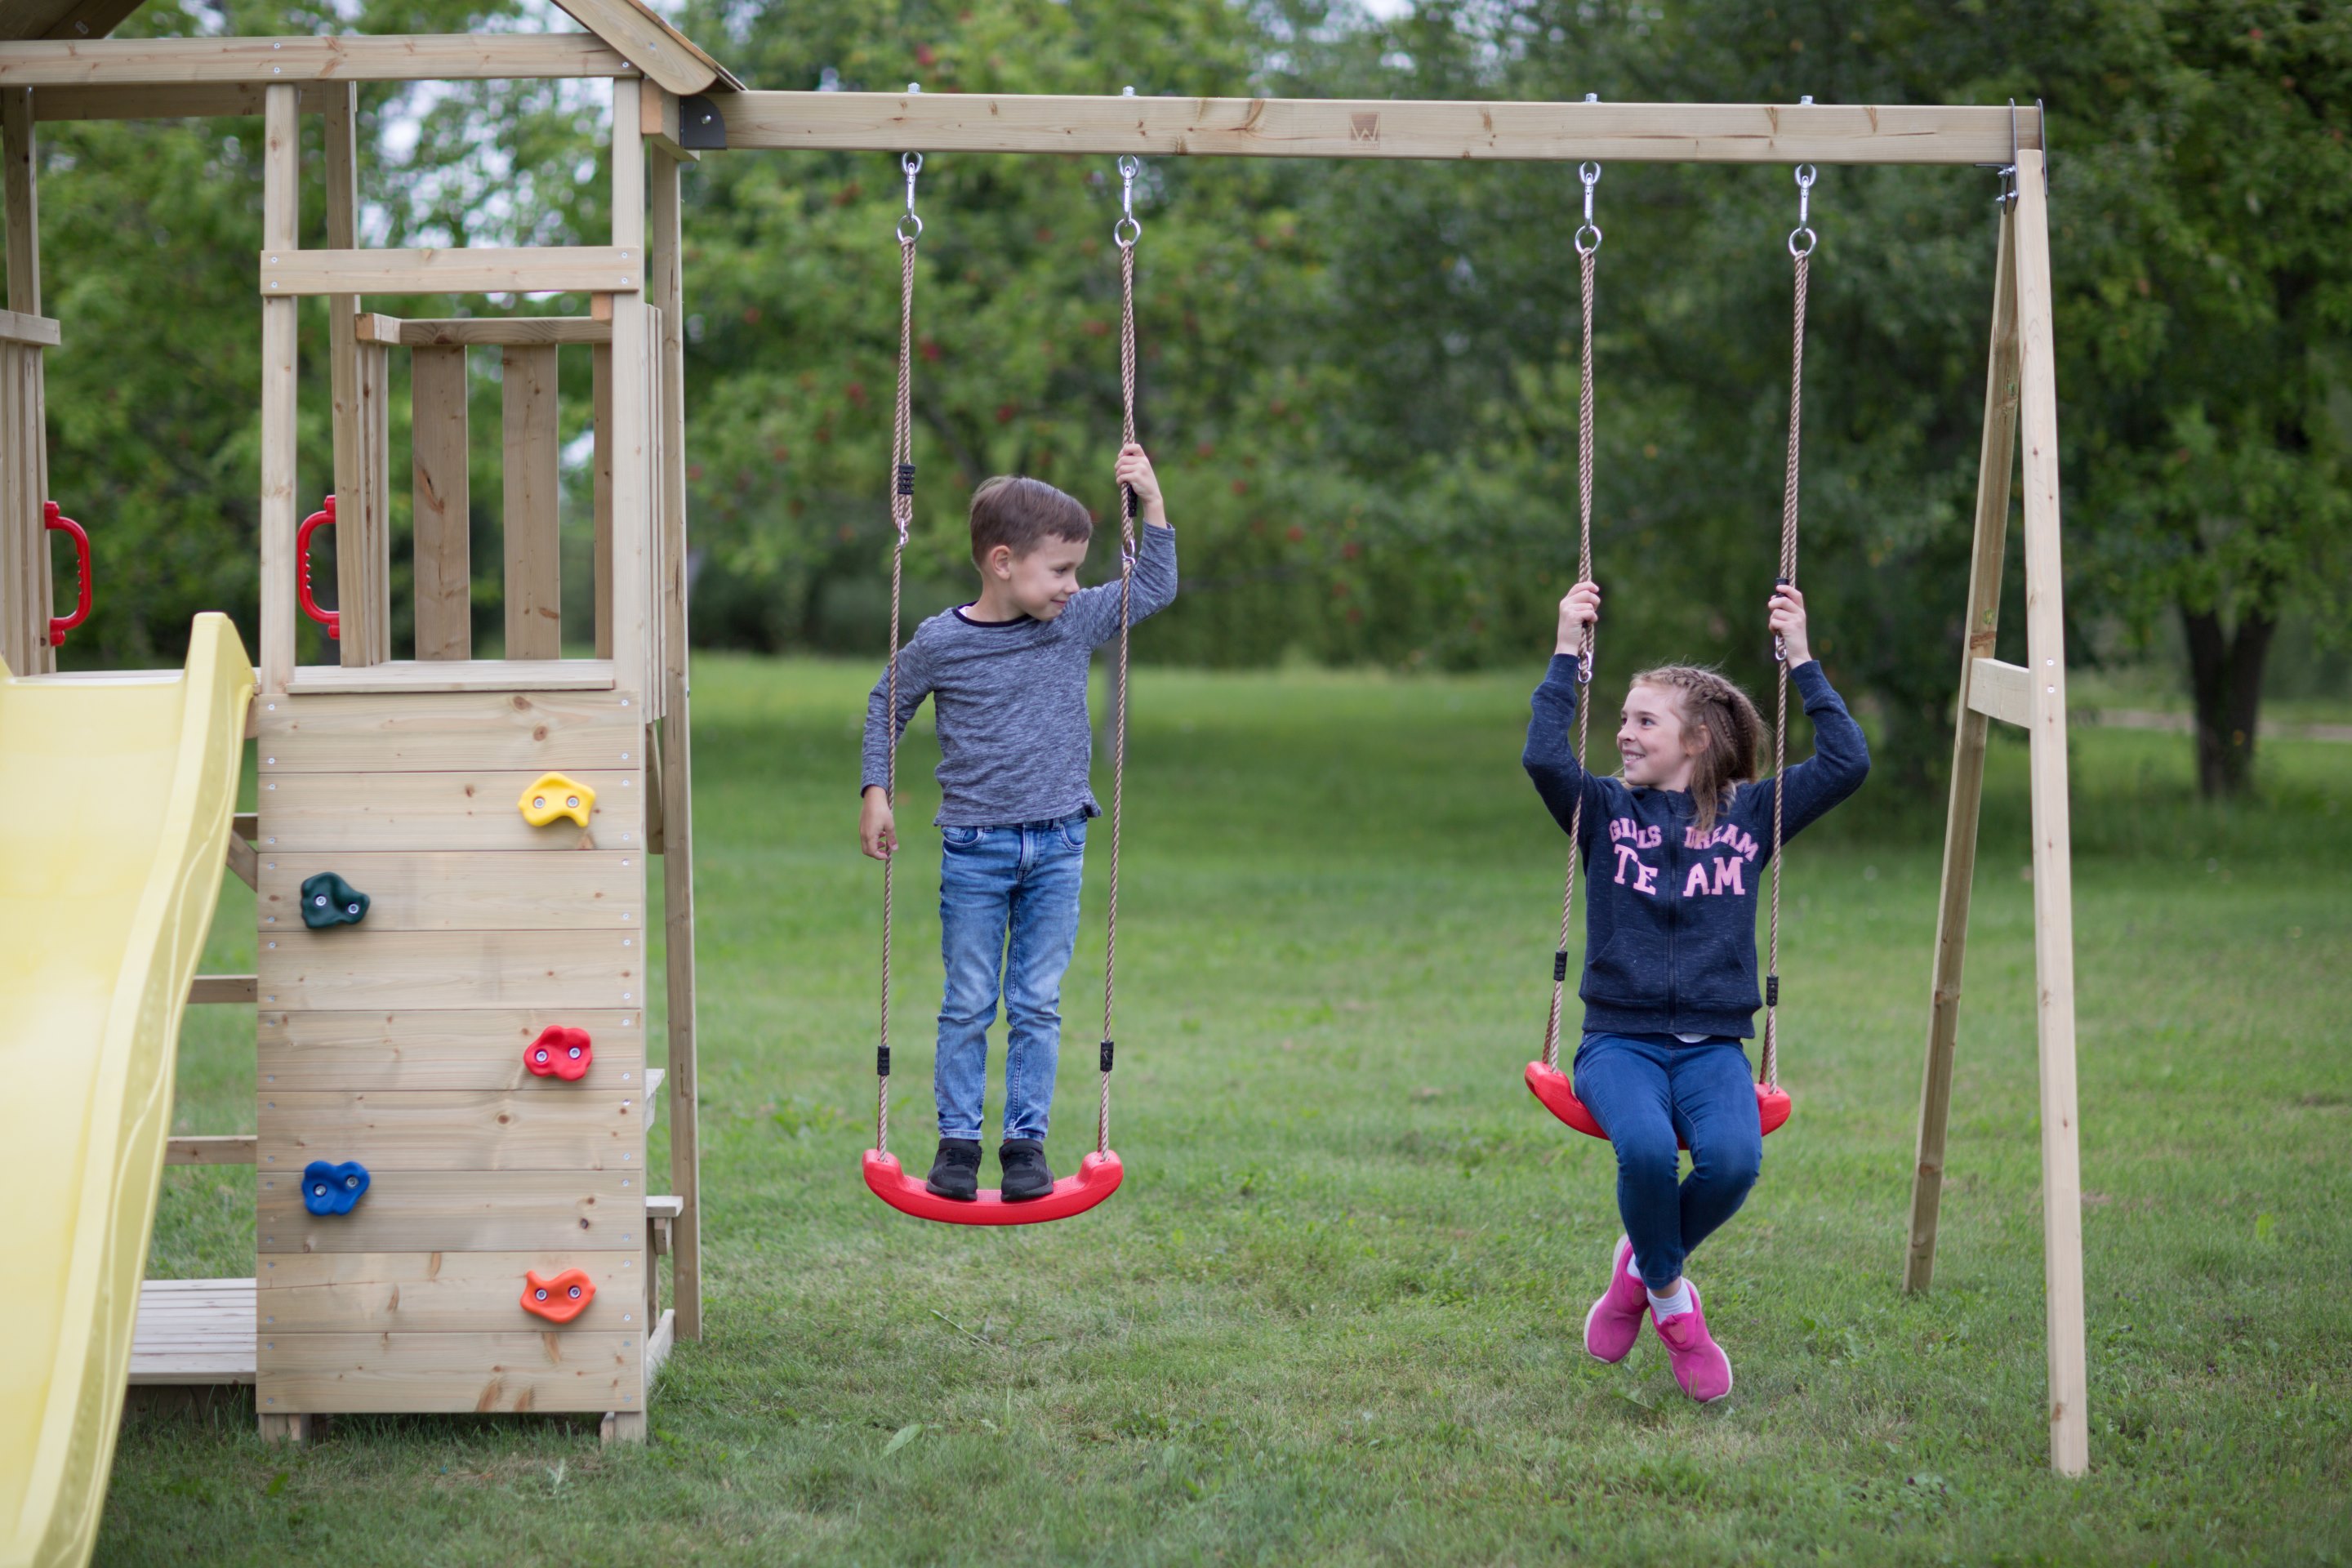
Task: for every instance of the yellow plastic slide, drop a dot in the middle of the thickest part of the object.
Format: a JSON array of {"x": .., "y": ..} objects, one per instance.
[{"x": 115, "y": 797}]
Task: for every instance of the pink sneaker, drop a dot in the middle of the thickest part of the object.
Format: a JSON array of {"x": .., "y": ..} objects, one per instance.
[
  {"x": 1700, "y": 1365},
  {"x": 1615, "y": 1321}
]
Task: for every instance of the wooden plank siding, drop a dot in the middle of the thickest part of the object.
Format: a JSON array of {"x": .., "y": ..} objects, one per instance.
[
  {"x": 448, "y": 811},
  {"x": 462, "y": 1211},
  {"x": 545, "y": 1124},
  {"x": 399, "y": 1043},
  {"x": 351, "y": 967},
  {"x": 603, "y": 890},
  {"x": 437, "y": 1049},
  {"x": 485, "y": 1373},
  {"x": 440, "y": 1292}
]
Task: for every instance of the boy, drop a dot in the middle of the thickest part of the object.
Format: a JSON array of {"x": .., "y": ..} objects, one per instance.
[{"x": 1007, "y": 677}]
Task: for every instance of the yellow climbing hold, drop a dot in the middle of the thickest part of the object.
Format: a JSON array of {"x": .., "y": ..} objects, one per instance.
[{"x": 552, "y": 796}]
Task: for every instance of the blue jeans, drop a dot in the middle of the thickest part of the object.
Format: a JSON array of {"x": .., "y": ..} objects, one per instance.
[
  {"x": 1644, "y": 1089},
  {"x": 1008, "y": 922}
]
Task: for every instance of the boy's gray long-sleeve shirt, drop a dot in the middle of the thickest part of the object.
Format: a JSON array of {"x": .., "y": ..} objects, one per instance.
[{"x": 1010, "y": 699}]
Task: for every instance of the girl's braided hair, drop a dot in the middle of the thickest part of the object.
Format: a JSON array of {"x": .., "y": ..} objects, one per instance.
[{"x": 1735, "y": 733}]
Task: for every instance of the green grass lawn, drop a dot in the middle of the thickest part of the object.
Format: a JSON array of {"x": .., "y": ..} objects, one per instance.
[{"x": 1335, "y": 1313}]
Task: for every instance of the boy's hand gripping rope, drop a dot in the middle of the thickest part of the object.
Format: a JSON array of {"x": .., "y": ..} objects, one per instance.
[
  {"x": 902, "y": 517},
  {"x": 1588, "y": 243},
  {"x": 1802, "y": 241},
  {"x": 1124, "y": 233}
]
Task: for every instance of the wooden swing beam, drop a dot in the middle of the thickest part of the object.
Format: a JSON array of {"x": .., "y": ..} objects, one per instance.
[{"x": 1378, "y": 127}]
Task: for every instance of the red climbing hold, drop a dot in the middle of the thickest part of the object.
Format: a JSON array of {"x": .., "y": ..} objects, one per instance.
[
  {"x": 558, "y": 1300},
  {"x": 1558, "y": 1096},
  {"x": 559, "y": 1053},
  {"x": 1098, "y": 1176}
]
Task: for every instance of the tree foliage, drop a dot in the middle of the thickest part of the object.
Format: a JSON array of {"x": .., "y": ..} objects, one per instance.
[{"x": 1359, "y": 378}]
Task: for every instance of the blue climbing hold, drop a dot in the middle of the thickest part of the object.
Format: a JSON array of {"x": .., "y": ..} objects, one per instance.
[
  {"x": 331, "y": 1189},
  {"x": 329, "y": 900}
]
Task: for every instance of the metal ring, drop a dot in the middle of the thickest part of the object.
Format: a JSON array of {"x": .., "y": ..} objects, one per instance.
[
  {"x": 1810, "y": 237},
  {"x": 1581, "y": 247},
  {"x": 1126, "y": 232},
  {"x": 1130, "y": 166},
  {"x": 1805, "y": 177},
  {"x": 912, "y": 163},
  {"x": 906, "y": 218},
  {"x": 1589, "y": 173}
]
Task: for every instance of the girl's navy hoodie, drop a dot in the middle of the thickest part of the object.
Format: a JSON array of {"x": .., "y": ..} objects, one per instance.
[{"x": 1670, "y": 919}]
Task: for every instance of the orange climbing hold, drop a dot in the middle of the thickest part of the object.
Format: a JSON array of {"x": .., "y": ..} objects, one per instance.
[
  {"x": 552, "y": 796},
  {"x": 559, "y": 1300}
]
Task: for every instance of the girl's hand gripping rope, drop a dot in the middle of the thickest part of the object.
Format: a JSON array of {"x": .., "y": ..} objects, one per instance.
[
  {"x": 1581, "y": 609},
  {"x": 1787, "y": 618}
]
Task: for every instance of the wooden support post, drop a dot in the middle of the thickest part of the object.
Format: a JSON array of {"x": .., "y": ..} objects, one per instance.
[
  {"x": 632, "y": 483},
  {"x": 280, "y": 227},
  {"x": 440, "y": 498},
  {"x": 2053, "y": 877},
  {"x": 1997, "y": 455},
  {"x": 26, "y": 595},
  {"x": 354, "y": 597},
  {"x": 656, "y": 523},
  {"x": 665, "y": 289},
  {"x": 371, "y": 543},
  {"x": 601, "y": 418},
  {"x": 292, "y": 1430},
  {"x": 534, "y": 578},
  {"x": 24, "y": 203}
]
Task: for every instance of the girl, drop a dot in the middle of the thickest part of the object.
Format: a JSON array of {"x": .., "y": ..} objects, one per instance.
[{"x": 1673, "y": 851}]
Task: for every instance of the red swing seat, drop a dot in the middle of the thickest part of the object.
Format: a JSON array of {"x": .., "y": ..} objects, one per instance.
[
  {"x": 1553, "y": 1087},
  {"x": 1098, "y": 1176}
]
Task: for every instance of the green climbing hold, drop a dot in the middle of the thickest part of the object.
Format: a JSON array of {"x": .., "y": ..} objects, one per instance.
[{"x": 329, "y": 900}]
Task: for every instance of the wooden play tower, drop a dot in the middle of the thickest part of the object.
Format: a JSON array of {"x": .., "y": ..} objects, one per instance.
[{"x": 401, "y": 1044}]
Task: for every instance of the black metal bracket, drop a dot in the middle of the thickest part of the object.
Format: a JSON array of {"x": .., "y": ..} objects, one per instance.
[{"x": 700, "y": 127}]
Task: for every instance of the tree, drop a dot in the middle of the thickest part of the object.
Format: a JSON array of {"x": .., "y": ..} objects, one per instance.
[{"x": 2208, "y": 304}]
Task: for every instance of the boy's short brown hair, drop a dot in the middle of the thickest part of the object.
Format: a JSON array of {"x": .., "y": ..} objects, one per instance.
[{"x": 1023, "y": 513}]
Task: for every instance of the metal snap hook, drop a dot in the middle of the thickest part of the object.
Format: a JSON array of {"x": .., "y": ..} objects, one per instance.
[
  {"x": 912, "y": 163},
  {"x": 1803, "y": 232},
  {"x": 1128, "y": 228}
]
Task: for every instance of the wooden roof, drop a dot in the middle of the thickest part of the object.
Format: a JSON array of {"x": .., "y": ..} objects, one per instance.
[{"x": 632, "y": 28}]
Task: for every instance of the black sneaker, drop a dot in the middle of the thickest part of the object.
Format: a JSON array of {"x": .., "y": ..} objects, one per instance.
[
  {"x": 955, "y": 1170},
  {"x": 1027, "y": 1174}
]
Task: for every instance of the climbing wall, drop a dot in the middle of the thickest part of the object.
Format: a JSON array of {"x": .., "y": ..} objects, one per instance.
[{"x": 393, "y": 1053}]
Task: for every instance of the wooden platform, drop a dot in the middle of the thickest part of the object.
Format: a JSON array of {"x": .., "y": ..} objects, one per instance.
[
  {"x": 198, "y": 1331},
  {"x": 192, "y": 1331}
]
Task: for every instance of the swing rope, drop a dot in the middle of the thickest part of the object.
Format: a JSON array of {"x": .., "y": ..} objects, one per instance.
[
  {"x": 1124, "y": 233},
  {"x": 902, "y": 517},
  {"x": 1802, "y": 241},
  {"x": 1588, "y": 243}
]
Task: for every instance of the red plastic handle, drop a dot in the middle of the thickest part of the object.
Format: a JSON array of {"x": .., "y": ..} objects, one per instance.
[
  {"x": 60, "y": 624},
  {"x": 331, "y": 619}
]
